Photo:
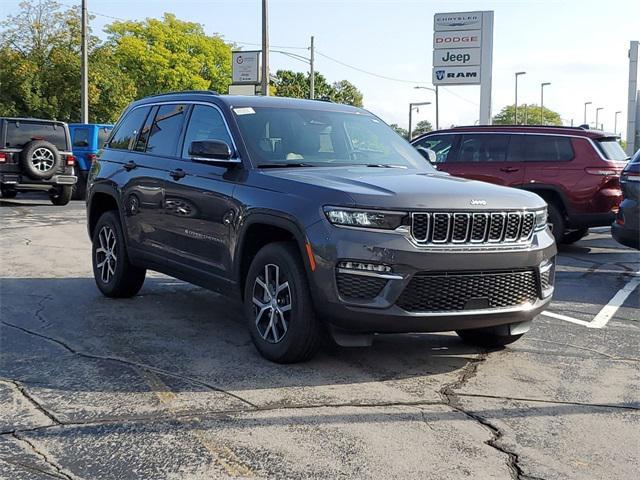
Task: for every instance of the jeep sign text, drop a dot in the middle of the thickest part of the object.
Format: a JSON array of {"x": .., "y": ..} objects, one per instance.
[{"x": 456, "y": 57}]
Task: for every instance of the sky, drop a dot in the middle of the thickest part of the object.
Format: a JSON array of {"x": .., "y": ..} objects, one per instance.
[{"x": 580, "y": 46}]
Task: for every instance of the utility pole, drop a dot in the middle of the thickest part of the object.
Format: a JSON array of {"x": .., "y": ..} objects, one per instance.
[
  {"x": 415, "y": 106},
  {"x": 84, "y": 80},
  {"x": 265, "y": 48},
  {"x": 434, "y": 90},
  {"x": 312, "y": 79},
  {"x": 542, "y": 85},
  {"x": 515, "y": 106},
  {"x": 585, "y": 112}
]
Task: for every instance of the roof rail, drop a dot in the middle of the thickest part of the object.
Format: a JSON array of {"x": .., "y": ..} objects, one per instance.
[
  {"x": 581, "y": 127},
  {"x": 201, "y": 92}
]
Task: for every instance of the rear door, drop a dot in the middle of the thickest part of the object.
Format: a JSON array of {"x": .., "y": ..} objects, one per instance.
[
  {"x": 547, "y": 159},
  {"x": 485, "y": 157}
]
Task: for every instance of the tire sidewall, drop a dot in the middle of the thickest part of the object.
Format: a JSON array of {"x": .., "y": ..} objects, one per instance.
[
  {"x": 556, "y": 219},
  {"x": 29, "y": 168},
  {"x": 61, "y": 195},
  {"x": 301, "y": 318},
  {"x": 110, "y": 219}
]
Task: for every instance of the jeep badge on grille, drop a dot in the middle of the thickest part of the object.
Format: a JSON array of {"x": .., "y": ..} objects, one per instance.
[{"x": 478, "y": 202}]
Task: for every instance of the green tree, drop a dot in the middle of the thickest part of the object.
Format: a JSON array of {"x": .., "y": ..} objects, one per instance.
[
  {"x": 288, "y": 83},
  {"x": 529, "y": 113},
  {"x": 423, "y": 126},
  {"x": 403, "y": 132},
  {"x": 168, "y": 55}
]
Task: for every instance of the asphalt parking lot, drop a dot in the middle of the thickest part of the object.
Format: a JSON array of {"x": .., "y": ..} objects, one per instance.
[{"x": 168, "y": 384}]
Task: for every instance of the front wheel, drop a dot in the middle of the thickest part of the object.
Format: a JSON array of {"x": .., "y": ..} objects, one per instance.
[
  {"x": 61, "y": 195},
  {"x": 80, "y": 187},
  {"x": 278, "y": 306},
  {"x": 556, "y": 219},
  {"x": 115, "y": 276},
  {"x": 482, "y": 337}
]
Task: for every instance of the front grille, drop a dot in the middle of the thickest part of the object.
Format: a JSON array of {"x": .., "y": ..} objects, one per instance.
[
  {"x": 444, "y": 292},
  {"x": 472, "y": 227},
  {"x": 359, "y": 286}
]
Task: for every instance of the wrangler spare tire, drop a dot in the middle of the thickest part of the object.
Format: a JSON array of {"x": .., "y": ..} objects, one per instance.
[{"x": 40, "y": 159}]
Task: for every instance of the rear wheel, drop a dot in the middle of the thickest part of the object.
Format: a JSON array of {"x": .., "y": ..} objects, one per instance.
[
  {"x": 556, "y": 219},
  {"x": 486, "y": 337},
  {"x": 115, "y": 276},
  {"x": 574, "y": 236},
  {"x": 80, "y": 187},
  {"x": 61, "y": 195},
  {"x": 278, "y": 306}
]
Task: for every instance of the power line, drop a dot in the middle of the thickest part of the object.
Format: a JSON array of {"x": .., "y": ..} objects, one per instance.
[
  {"x": 361, "y": 70},
  {"x": 460, "y": 96}
]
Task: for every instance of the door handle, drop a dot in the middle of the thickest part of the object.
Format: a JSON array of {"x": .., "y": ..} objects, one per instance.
[
  {"x": 177, "y": 174},
  {"x": 130, "y": 165},
  {"x": 509, "y": 169}
]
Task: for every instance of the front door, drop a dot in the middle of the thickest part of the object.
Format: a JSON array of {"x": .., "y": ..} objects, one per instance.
[{"x": 199, "y": 205}]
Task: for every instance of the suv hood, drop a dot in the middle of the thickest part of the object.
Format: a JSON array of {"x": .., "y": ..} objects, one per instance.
[{"x": 395, "y": 188}]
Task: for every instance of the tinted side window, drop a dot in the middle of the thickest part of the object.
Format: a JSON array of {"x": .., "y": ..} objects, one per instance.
[
  {"x": 126, "y": 133},
  {"x": 143, "y": 138},
  {"x": 19, "y": 133},
  {"x": 103, "y": 136},
  {"x": 442, "y": 145},
  {"x": 206, "y": 123},
  {"x": 540, "y": 148},
  {"x": 475, "y": 148},
  {"x": 165, "y": 131},
  {"x": 81, "y": 137}
]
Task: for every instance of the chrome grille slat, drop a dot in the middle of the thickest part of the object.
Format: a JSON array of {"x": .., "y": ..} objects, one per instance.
[{"x": 477, "y": 228}]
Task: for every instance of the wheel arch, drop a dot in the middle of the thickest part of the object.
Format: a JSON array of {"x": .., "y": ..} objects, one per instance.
[{"x": 259, "y": 230}]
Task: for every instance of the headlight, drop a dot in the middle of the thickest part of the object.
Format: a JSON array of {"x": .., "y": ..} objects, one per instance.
[
  {"x": 351, "y": 217},
  {"x": 541, "y": 219}
]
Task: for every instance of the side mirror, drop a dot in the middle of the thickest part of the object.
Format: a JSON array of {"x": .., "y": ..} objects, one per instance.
[
  {"x": 428, "y": 154},
  {"x": 212, "y": 151}
]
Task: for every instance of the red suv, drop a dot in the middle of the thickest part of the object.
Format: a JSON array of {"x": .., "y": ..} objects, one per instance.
[{"x": 574, "y": 169}]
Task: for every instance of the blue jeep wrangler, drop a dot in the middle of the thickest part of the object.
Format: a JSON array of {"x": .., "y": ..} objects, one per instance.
[{"x": 87, "y": 139}]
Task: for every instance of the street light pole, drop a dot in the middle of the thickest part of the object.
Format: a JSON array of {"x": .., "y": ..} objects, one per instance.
[
  {"x": 265, "y": 48},
  {"x": 585, "y": 112},
  {"x": 435, "y": 90},
  {"x": 312, "y": 79},
  {"x": 515, "y": 114},
  {"x": 615, "y": 122},
  {"x": 411, "y": 107},
  {"x": 84, "y": 76},
  {"x": 598, "y": 111},
  {"x": 542, "y": 85}
]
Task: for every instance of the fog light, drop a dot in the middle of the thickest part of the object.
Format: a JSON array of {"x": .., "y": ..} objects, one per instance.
[
  {"x": 547, "y": 271},
  {"x": 367, "y": 267}
]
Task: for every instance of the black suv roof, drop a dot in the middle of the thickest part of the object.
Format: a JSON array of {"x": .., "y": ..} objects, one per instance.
[{"x": 249, "y": 101}]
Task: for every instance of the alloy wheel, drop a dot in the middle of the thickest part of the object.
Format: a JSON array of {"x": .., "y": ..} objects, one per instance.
[
  {"x": 43, "y": 159},
  {"x": 106, "y": 254},
  {"x": 272, "y": 303}
]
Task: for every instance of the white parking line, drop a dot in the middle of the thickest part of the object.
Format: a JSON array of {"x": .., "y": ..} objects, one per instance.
[
  {"x": 610, "y": 309},
  {"x": 607, "y": 312}
]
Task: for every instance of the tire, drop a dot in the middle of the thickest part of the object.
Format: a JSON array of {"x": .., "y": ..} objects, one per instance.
[
  {"x": 80, "y": 187},
  {"x": 574, "y": 236},
  {"x": 486, "y": 338},
  {"x": 282, "y": 336},
  {"x": 557, "y": 220},
  {"x": 61, "y": 195},
  {"x": 114, "y": 275},
  {"x": 8, "y": 192},
  {"x": 40, "y": 159}
]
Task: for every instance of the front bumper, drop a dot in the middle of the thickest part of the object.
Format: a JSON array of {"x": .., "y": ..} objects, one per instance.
[{"x": 381, "y": 314}]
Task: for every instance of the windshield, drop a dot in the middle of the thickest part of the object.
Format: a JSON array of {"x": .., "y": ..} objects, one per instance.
[
  {"x": 318, "y": 138},
  {"x": 611, "y": 149}
]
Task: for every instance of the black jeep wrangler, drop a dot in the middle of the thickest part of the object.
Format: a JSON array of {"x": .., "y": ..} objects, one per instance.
[{"x": 36, "y": 155}]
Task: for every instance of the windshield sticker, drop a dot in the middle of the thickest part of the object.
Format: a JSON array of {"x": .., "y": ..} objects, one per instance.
[{"x": 244, "y": 111}]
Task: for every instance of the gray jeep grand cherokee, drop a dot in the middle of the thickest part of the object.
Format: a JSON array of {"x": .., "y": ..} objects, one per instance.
[{"x": 319, "y": 217}]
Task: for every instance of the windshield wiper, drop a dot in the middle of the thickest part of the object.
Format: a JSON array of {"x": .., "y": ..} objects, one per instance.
[
  {"x": 382, "y": 165},
  {"x": 284, "y": 165}
]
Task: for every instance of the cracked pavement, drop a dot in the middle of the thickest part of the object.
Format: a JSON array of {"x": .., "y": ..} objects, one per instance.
[{"x": 168, "y": 384}]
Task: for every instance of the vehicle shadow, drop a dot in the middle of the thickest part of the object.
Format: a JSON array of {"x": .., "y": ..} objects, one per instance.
[{"x": 88, "y": 342}]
